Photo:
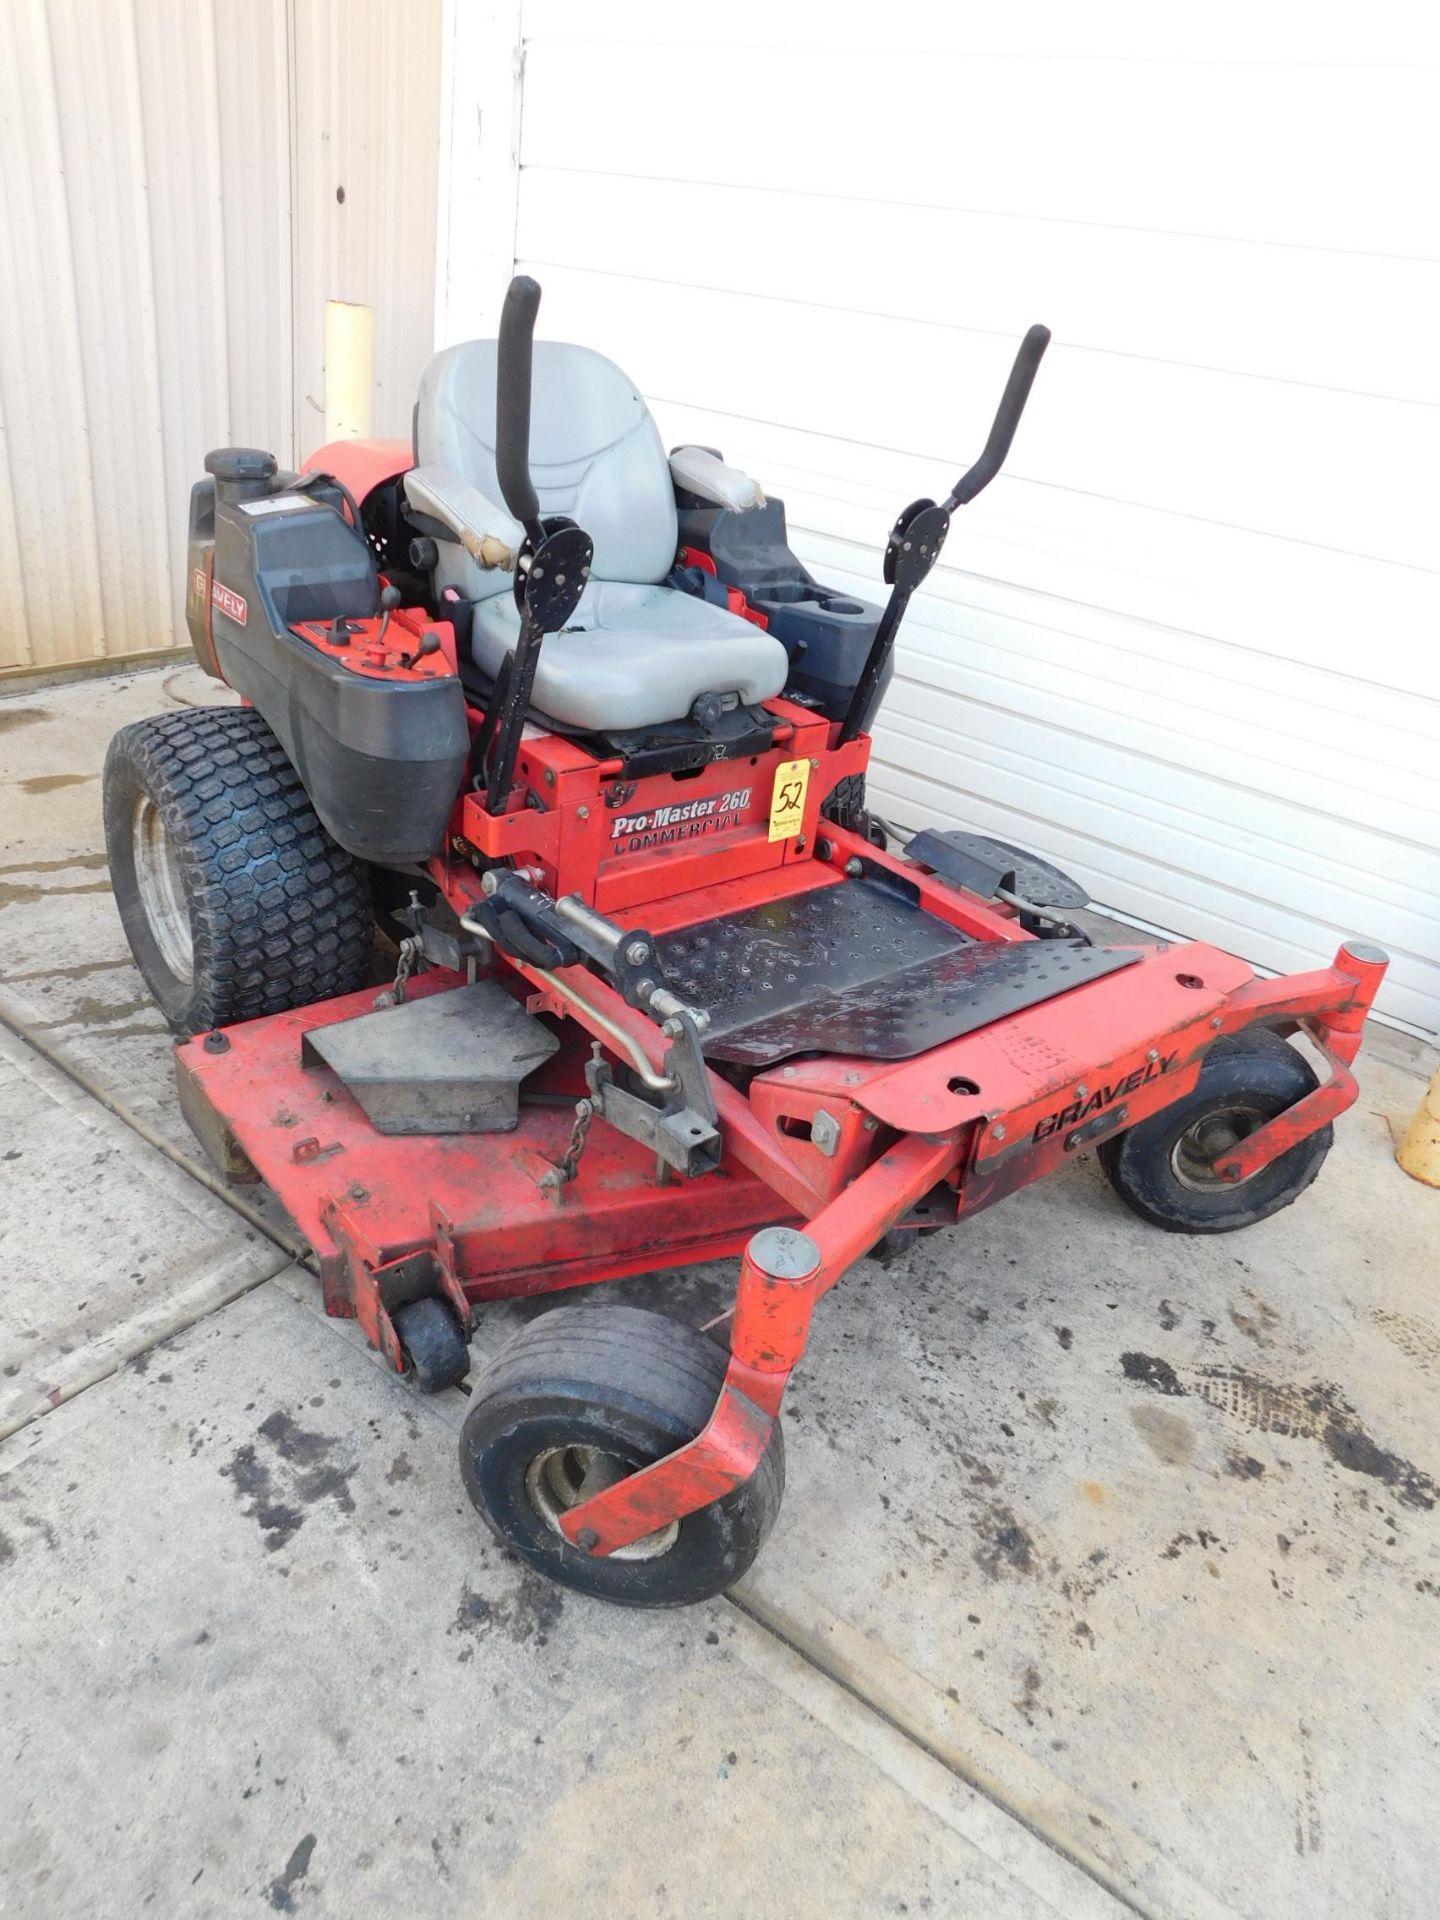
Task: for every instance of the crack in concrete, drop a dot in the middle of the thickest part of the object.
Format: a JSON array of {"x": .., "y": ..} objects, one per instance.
[
  {"x": 295, "y": 1253},
  {"x": 805, "y": 1647}
]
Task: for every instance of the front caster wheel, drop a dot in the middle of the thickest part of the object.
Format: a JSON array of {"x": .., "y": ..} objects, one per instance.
[
  {"x": 436, "y": 1350},
  {"x": 1163, "y": 1168},
  {"x": 582, "y": 1398}
]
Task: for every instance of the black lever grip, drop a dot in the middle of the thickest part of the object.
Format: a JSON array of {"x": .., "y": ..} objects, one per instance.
[
  {"x": 512, "y": 402},
  {"x": 1007, "y": 418}
]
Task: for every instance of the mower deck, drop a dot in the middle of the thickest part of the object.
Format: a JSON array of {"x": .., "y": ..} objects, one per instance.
[
  {"x": 1027, "y": 1078},
  {"x": 377, "y": 1198}
]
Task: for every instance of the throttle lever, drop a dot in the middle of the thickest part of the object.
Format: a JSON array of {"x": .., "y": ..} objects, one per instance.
[
  {"x": 429, "y": 643},
  {"x": 390, "y": 598}
]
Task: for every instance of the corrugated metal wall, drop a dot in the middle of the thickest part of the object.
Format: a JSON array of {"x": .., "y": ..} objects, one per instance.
[
  {"x": 367, "y": 91},
  {"x": 1187, "y": 644},
  {"x": 157, "y": 298},
  {"x": 144, "y": 190}
]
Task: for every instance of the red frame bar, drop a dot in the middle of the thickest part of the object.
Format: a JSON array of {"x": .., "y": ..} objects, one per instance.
[
  {"x": 1331, "y": 1004},
  {"x": 1289, "y": 1128},
  {"x": 771, "y": 1326}
]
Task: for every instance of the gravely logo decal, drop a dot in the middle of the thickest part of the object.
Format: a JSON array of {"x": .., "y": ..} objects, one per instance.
[
  {"x": 661, "y": 825},
  {"x": 227, "y": 602},
  {"x": 1102, "y": 1097}
]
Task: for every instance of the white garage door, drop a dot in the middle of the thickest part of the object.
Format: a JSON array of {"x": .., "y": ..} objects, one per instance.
[{"x": 1187, "y": 645}]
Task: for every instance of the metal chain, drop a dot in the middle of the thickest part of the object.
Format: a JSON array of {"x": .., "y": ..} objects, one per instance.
[
  {"x": 579, "y": 1133},
  {"x": 409, "y": 954},
  {"x": 565, "y": 1169},
  {"x": 394, "y": 994}
]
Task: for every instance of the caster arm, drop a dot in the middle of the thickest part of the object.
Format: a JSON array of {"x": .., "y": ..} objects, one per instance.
[
  {"x": 1332, "y": 1004},
  {"x": 783, "y": 1272}
]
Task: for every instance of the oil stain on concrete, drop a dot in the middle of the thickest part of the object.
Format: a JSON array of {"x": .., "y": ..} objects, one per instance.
[
  {"x": 1317, "y": 1412},
  {"x": 281, "y": 1893},
  {"x": 296, "y": 1472},
  {"x": 528, "y": 1612}
]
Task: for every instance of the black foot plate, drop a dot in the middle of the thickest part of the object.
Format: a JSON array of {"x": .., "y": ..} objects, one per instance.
[
  {"x": 856, "y": 969},
  {"x": 974, "y": 861}
]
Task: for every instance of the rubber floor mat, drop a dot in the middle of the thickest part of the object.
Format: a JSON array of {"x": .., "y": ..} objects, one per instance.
[{"x": 858, "y": 969}]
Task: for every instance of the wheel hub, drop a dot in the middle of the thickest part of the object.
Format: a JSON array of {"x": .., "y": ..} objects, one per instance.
[
  {"x": 161, "y": 888},
  {"x": 1208, "y": 1140},
  {"x": 563, "y": 1477}
]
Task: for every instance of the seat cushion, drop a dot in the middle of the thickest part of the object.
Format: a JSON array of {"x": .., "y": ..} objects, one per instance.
[{"x": 635, "y": 656}]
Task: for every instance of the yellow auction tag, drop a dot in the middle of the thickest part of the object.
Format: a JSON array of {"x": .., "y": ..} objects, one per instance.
[{"x": 787, "y": 802}]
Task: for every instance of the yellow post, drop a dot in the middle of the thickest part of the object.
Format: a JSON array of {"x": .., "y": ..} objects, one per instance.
[
  {"x": 1419, "y": 1151},
  {"x": 349, "y": 369}
]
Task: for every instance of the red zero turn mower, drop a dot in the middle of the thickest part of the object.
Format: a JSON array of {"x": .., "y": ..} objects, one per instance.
[{"x": 596, "y": 758}]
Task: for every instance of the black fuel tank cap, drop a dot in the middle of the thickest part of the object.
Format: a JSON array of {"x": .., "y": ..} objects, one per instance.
[{"x": 241, "y": 463}]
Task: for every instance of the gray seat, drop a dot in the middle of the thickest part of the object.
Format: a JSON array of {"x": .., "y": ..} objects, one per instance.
[
  {"x": 634, "y": 656},
  {"x": 636, "y": 653}
]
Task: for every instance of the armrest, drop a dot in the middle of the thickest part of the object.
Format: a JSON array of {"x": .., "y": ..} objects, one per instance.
[
  {"x": 699, "y": 471},
  {"x": 485, "y": 531}
]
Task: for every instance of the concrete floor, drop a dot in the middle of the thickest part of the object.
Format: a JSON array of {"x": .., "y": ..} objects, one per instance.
[{"x": 1107, "y": 1580}]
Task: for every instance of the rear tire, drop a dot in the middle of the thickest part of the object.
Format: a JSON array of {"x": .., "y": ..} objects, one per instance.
[
  {"x": 1160, "y": 1168},
  {"x": 845, "y": 805},
  {"x": 592, "y": 1394},
  {"x": 235, "y": 900},
  {"x": 845, "y": 802}
]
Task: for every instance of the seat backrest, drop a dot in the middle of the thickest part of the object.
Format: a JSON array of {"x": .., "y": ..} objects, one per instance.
[{"x": 595, "y": 452}]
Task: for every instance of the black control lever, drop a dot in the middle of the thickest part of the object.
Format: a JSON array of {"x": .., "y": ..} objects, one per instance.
[
  {"x": 390, "y": 598},
  {"x": 514, "y": 353},
  {"x": 1007, "y": 419},
  {"x": 552, "y": 566},
  {"x": 429, "y": 643},
  {"x": 918, "y": 535}
]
